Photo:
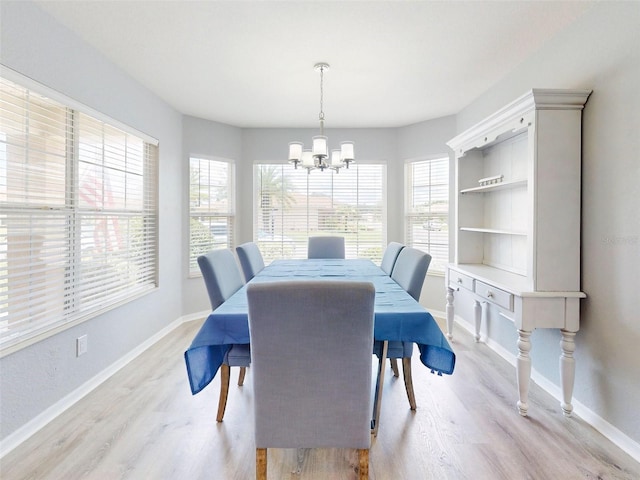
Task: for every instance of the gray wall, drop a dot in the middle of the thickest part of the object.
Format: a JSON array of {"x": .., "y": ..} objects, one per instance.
[
  {"x": 601, "y": 52},
  {"x": 38, "y": 376}
]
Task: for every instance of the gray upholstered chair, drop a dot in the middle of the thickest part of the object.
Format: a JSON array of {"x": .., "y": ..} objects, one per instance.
[
  {"x": 301, "y": 400},
  {"x": 409, "y": 272},
  {"x": 388, "y": 261},
  {"x": 325, "y": 247},
  {"x": 223, "y": 278},
  {"x": 251, "y": 259},
  {"x": 390, "y": 256}
]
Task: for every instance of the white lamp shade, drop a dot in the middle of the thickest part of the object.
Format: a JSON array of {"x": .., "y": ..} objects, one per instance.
[
  {"x": 336, "y": 161},
  {"x": 295, "y": 151},
  {"x": 346, "y": 151},
  {"x": 319, "y": 147},
  {"x": 307, "y": 159}
]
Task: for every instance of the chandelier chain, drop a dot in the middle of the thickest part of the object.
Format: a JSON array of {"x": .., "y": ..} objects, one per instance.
[{"x": 321, "y": 114}]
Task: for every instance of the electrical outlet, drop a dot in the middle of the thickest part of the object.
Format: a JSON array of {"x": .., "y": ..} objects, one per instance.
[{"x": 81, "y": 345}]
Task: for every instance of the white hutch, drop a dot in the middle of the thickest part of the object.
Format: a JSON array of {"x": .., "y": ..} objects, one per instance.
[{"x": 517, "y": 225}]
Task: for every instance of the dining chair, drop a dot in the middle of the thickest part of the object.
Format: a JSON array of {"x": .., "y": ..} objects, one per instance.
[
  {"x": 409, "y": 271},
  {"x": 389, "y": 257},
  {"x": 388, "y": 261},
  {"x": 251, "y": 259},
  {"x": 222, "y": 278},
  {"x": 301, "y": 400},
  {"x": 325, "y": 247}
]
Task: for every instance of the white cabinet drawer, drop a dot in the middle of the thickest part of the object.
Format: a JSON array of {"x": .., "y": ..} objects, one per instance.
[
  {"x": 457, "y": 279},
  {"x": 495, "y": 295}
]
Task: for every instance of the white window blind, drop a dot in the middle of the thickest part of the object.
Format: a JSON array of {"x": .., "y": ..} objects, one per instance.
[
  {"x": 78, "y": 215},
  {"x": 291, "y": 205},
  {"x": 427, "y": 224},
  {"x": 211, "y": 205}
]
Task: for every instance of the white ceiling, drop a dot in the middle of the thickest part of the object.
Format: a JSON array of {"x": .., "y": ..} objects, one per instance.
[{"x": 250, "y": 63}]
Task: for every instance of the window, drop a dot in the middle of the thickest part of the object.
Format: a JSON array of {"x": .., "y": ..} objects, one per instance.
[
  {"x": 78, "y": 215},
  {"x": 211, "y": 208},
  {"x": 291, "y": 205},
  {"x": 427, "y": 210}
]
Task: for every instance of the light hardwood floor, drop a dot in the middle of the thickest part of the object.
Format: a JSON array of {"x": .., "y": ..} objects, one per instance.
[{"x": 143, "y": 423}]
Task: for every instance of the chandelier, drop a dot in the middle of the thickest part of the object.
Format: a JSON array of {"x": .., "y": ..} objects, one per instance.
[{"x": 318, "y": 155}]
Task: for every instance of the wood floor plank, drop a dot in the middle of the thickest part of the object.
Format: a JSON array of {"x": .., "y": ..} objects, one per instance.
[{"x": 143, "y": 423}]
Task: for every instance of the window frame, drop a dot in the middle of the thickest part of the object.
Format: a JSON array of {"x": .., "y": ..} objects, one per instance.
[
  {"x": 228, "y": 216},
  {"x": 295, "y": 246},
  {"x": 437, "y": 222},
  {"x": 77, "y": 297}
]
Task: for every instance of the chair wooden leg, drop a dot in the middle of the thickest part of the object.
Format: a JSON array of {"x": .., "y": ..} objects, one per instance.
[
  {"x": 261, "y": 464},
  {"x": 394, "y": 367},
  {"x": 408, "y": 382},
  {"x": 225, "y": 372},
  {"x": 377, "y": 399},
  {"x": 243, "y": 371},
  {"x": 363, "y": 464}
]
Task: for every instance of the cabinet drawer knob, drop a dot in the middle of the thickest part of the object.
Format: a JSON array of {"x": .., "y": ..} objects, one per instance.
[
  {"x": 489, "y": 294},
  {"x": 459, "y": 280}
]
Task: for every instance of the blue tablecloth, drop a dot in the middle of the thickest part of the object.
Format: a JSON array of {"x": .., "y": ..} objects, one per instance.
[{"x": 397, "y": 317}]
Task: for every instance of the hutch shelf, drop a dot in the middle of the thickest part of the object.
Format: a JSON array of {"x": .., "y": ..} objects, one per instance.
[{"x": 517, "y": 225}]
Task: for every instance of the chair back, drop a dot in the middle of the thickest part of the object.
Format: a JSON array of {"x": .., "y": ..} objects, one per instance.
[
  {"x": 221, "y": 275},
  {"x": 311, "y": 362},
  {"x": 390, "y": 256},
  {"x": 251, "y": 260},
  {"x": 410, "y": 269},
  {"x": 325, "y": 247}
]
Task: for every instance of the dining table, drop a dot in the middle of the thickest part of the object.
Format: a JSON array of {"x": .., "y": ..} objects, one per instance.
[{"x": 397, "y": 317}]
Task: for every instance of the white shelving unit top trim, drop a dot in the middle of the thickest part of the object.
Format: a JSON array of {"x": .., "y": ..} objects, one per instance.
[{"x": 535, "y": 99}]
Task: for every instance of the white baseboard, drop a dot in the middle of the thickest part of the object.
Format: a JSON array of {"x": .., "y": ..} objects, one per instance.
[
  {"x": 27, "y": 430},
  {"x": 195, "y": 316},
  {"x": 605, "y": 428},
  {"x": 438, "y": 315}
]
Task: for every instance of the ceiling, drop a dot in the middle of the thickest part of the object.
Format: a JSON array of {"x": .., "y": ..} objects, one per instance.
[{"x": 250, "y": 63}]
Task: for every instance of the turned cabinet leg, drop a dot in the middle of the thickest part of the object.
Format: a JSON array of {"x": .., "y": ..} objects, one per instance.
[
  {"x": 485, "y": 316},
  {"x": 477, "y": 317},
  {"x": 523, "y": 368},
  {"x": 567, "y": 370},
  {"x": 449, "y": 310}
]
